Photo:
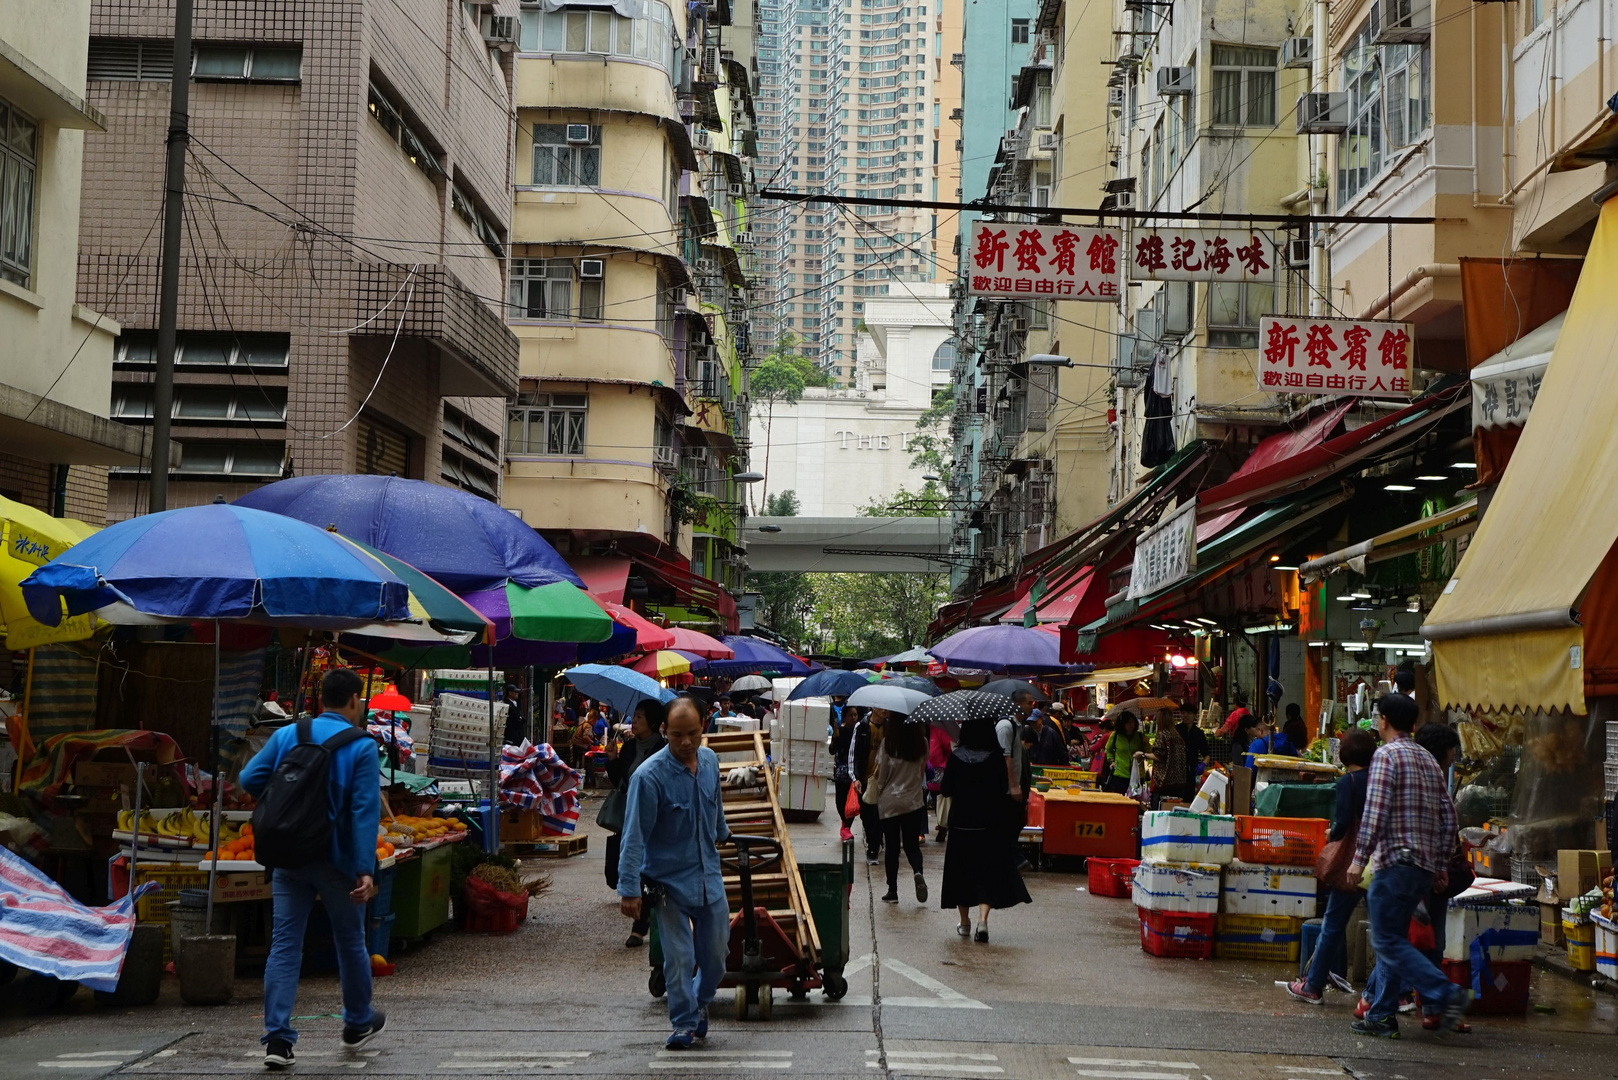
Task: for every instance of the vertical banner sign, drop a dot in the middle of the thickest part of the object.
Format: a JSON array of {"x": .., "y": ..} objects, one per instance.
[
  {"x": 1201, "y": 255},
  {"x": 1165, "y": 553},
  {"x": 1344, "y": 357},
  {"x": 1056, "y": 262}
]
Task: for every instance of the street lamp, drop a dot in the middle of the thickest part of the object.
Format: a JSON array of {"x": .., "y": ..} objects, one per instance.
[
  {"x": 1045, "y": 359},
  {"x": 768, "y": 528},
  {"x": 747, "y": 477}
]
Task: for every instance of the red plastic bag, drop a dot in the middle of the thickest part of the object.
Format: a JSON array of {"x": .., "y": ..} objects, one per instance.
[
  {"x": 490, "y": 911},
  {"x": 851, "y": 806}
]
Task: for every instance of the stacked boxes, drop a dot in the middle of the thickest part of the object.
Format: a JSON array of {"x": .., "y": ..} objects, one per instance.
[
  {"x": 1179, "y": 836},
  {"x": 1272, "y": 891},
  {"x": 798, "y": 744},
  {"x": 1186, "y": 888},
  {"x": 1177, "y": 888}
]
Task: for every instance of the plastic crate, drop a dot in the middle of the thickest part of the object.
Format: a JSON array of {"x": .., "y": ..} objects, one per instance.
[
  {"x": 1258, "y": 937},
  {"x": 379, "y": 937},
  {"x": 1283, "y": 841},
  {"x": 1523, "y": 870},
  {"x": 1170, "y": 933},
  {"x": 1579, "y": 935},
  {"x": 1610, "y": 767},
  {"x": 1504, "y": 989},
  {"x": 1111, "y": 877}
]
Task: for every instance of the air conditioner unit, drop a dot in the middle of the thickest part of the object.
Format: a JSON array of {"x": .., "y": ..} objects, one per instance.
[
  {"x": 578, "y": 133},
  {"x": 1129, "y": 379},
  {"x": 499, "y": 29},
  {"x": 1323, "y": 114},
  {"x": 1176, "y": 80},
  {"x": 1048, "y": 140},
  {"x": 1115, "y": 97},
  {"x": 592, "y": 268},
  {"x": 1404, "y": 22},
  {"x": 703, "y": 139},
  {"x": 663, "y": 457},
  {"x": 710, "y": 59},
  {"x": 1298, "y": 253},
  {"x": 1298, "y": 52}
]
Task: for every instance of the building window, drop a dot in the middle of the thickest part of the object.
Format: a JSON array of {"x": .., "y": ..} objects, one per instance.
[
  {"x": 126, "y": 58},
  {"x": 255, "y": 460},
  {"x": 465, "y": 473},
  {"x": 567, "y": 155},
  {"x": 468, "y": 432},
  {"x": 944, "y": 356},
  {"x": 1234, "y": 310},
  {"x": 204, "y": 404},
  {"x": 547, "y": 424},
  {"x": 1388, "y": 106},
  {"x": 1019, "y": 31},
  {"x": 243, "y": 63},
  {"x": 647, "y": 33},
  {"x": 541, "y": 289},
  {"x": 466, "y": 208},
  {"x": 139, "y": 348},
  {"x": 1243, "y": 86},
  {"x": 393, "y": 122},
  {"x": 18, "y": 134}
]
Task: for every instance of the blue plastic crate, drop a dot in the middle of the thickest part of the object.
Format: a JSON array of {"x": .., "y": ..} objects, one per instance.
[
  {"x": 1310, "y": 936},
  {"x": 379, "y": 937}
]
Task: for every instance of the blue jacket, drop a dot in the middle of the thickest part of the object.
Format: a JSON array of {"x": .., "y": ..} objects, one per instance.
[
  {"x": 673, "y": 824},
  {"x": 355, "y": 790}
]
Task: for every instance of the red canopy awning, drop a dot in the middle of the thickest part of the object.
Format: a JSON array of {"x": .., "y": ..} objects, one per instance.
[
  {"x": 1273, "y": 451},
  {"x": 605, "y": 576},
  {"x": 1060, "y": 600},
  {"x": 691, "y": 589},
  {"x": 649, "y": 637}
]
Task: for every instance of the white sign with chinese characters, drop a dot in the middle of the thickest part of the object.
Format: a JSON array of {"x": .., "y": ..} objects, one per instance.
[
  {"x": 1201, "y": 255},
  {"x": 1056, "y": 262},
  {"x": 1339, "y": 357},
  {"x": 1503, "y": 396},
  {"x": 1165, "y": 553}
]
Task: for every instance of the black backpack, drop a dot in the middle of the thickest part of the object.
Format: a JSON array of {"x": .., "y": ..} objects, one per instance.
[{"x": 292, "y": 822}]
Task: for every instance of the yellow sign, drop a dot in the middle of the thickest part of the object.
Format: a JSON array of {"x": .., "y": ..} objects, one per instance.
[
  {"x": 1097, "y": 829},
  {"x": 31, "y": 547}
]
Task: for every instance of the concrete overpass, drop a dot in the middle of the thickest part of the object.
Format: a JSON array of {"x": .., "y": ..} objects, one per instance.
[{"x": 840, "y": 545}]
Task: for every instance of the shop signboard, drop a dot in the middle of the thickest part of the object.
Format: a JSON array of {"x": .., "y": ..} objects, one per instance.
[
  {"x": 1165, "y": 553},
  {"x": 1335, "y": 357},
  {"x": 1050, "y": 262},
  {"x": 1232, "y": 255}
]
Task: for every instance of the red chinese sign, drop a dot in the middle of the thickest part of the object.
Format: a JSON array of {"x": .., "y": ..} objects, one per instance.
[
  {"x": 1201, "y": 255},
  {"x": 1343, "y": 357},
  {"x": 1054, "y": 262}
]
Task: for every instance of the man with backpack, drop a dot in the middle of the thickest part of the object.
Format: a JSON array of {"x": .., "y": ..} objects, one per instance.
[{"x": 319, "y": 802}]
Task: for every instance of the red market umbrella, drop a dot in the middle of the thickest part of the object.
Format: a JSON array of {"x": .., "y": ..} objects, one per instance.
[
  {"x": 390, "y": 700},
  {"x": 649, "y": 637},
  {"x": 700, "y": 644}
]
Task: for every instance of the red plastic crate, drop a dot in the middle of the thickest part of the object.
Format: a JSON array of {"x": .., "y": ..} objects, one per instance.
[
  {"x": 1505, "y": 987},
  {"x": 1111, "y": 877},
  {"x": 1170, "y": 933},
  {"x": 1280, "y": 841}
]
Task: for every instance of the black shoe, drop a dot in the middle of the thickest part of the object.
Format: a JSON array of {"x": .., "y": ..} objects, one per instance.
[
  {"x": 891, "y": 896},
  {"x": 278, "y": 1055},
  {"x": 356, "y": 1037},
  {"x": 1377, "y": 1029},
  {"x": 982, "y": 936},
  {"x": 872, "y": 860},
  {"x": 921, "y": 888},
  {"x": 634, "y": 941}
]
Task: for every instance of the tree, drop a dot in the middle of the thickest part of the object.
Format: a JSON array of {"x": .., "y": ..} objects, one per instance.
[
  {"x": 780, "y": 378},
  {"x": 927, "y": 448},
  {"x": 879, "y": 614},
  {"x": 784, "y": 504},
  {"x": 786, "y": 598}
]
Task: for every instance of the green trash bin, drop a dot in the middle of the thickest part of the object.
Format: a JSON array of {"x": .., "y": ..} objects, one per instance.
[
  {"x": 827, "y": 886},
  {"x": 1296, "y": 801}
]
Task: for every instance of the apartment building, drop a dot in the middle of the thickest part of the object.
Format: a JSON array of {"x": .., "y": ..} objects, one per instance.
[
  {"x": 631, "y": 246},
  {"x": 56, "y": 371},
  {"x": 343, "y": 265}
]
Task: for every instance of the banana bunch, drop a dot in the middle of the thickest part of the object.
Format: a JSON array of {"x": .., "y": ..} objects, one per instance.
[{"x": 128, "y": 824}]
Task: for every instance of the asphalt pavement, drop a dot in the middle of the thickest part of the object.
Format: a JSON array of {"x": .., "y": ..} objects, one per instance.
[{"x": 1062, "y": 991}]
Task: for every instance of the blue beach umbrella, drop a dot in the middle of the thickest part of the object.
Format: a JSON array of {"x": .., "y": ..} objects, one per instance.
[{"x": 620, "y": 687}]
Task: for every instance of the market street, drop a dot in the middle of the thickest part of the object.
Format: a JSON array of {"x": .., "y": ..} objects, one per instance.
[{"x": 1062, "y": 991}]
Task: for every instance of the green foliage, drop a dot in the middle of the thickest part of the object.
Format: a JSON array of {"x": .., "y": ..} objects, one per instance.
[
  {"x": 930, "y": 501},
  {"x": 782, "y": 504},
  {"x": 932, "y": 433},
  {"x": 688, "y": 506},
  {"x": 877, "y": 614},
  {"x": 786, "y": 599}
]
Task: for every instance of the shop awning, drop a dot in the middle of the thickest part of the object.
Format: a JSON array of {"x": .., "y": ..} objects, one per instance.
[
  {"x": 1505, "y": 385},
  {"x": 604, "y": 576},
  {"x": 691, "y": 588},
  {"x": 1333, "y": 456},
  {"x": 1505, "y": 631},
  {"x": 1274, "y": 451},
  {"x": 1453, "y": 522},
  {"x": 1059, "y": 601},
  {"x": 1102, "y": 676}
]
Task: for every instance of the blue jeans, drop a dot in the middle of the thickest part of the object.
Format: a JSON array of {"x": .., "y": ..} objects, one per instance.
[
  {"x": 295, "y": 894},
  {"x": 1333, "y": 932},
  {"x": 1392, "y": 898},
  {"x": 695, "y": 941}
]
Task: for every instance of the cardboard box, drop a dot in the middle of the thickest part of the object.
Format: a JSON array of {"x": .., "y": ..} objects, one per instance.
[
  {"x": 110, "y": 774},
  {"x": 1179, "y": 836},
  {"x": 1509, "y": 930},
  {"x": 1188, "y": 888},
  {"x": 1578, "y": 871},
  {"x": 242, "y": 885},
  {"x": 1550, "y": 925},
  {"x": 1277, "y": 891}
]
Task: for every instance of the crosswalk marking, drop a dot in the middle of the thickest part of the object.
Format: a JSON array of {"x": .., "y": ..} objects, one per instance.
[
  {"x": 935, "y": 1062},
  {"x": 1131, "y": 1068},
  {"x": 721, "y": 1061},
  {"x": 149, "y": 1062},
  {"x": 1311, "y": 1072},
  {"x": 942, "y": 997},
  {"x": 1116, "y": 1074},
  {"x": 514, "y": 1059},
  {"x": 1129, "y": 1062}
]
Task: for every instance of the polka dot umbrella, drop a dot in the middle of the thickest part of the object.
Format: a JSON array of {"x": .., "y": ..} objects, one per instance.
[{"x": 951, "y": 711}]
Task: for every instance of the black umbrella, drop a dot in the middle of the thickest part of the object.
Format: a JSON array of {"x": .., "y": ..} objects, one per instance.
[
  {"x": 913, "y": 682},
  {"x": 705, "y": 694},
  {"x": 950, "y": 711},
  {"x": 1010, "y": 687}
]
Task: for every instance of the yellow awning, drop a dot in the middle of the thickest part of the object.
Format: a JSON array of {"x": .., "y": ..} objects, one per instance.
[
  {"x": 29, "y": 539},
  {"x": 1505, "y": 632}
]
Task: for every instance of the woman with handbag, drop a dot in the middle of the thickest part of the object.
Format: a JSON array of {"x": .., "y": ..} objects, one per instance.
[
  {"x": 1331, "y": 869},
  {"x": 1124, "y": 746},
  {"x": 645, "y": 739}
]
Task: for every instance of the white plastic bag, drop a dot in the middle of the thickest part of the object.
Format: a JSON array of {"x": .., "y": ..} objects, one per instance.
[{"x": 1137, "y": 786}]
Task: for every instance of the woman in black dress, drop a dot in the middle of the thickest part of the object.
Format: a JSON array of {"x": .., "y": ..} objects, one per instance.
[{"x": 980, "y": 861}]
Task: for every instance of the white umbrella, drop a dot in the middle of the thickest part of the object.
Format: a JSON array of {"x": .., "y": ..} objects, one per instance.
[
  {"x": 895, "y": 699},
  {"x": 750, "y": 682}
]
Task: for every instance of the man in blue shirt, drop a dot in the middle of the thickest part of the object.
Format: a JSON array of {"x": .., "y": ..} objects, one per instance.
[
  {"x": 674, "y": 821},
  {"x": 342, "y": 881}
]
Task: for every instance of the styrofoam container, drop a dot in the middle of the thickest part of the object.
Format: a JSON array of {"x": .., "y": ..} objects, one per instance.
[
  {"x": 1606, "y": 946},
  {"x": 807, "y": 792},
  {"x": 1277, "y": 891},
  {"x": 1190, "y": 888},
  {"x": 806, "y": 718},
  {"x": 1183, "y": 837},
  {"x": 1496, "y": 890},
  {"x": 1509, "y": 930},
  {"x": 808, "y": 757}
]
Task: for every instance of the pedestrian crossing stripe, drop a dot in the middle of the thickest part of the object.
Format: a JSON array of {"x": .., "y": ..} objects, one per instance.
[
  {"x": 1131, "y": 1069},
  {"x": 721, "y": 1061},
  {"x": 514, "y": 1059},
  {"x": 935, "y": 1062},
  {"x": 943, "y": 997}
]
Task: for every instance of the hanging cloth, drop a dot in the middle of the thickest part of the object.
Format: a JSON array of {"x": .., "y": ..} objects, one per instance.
[{"x": 1157, "y": 437}]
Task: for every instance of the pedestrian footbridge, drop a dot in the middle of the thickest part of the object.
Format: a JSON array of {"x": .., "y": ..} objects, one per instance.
[{"x": 841, "y": 545}]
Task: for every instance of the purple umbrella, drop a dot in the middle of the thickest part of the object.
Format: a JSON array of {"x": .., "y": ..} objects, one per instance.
[
  {"x": 1009, "y": 649},
  {"x": 756, "y": 655}
]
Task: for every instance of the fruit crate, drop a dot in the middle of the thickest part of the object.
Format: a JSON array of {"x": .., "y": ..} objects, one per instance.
[
  {"x": 1111, "y": 877},
  {"x": 1258, "y": 937},
  {"x": 1171, "y": 933},
  {"x": 1283, "y": 841}
]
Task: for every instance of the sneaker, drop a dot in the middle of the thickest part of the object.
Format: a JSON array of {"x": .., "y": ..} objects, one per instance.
[
  {"x": 1376, "y": 1029},
  {"x": 1435, "y": 1022},
  {"x": 1361, "y": 1008},
  {"x": 1407, "y": 1003},
  {"x": 1299, "y": 990},
  {"x": 1450, "y": 1020},
  {"x": 846, "y": 834},
  {"x": 356, "y": 1037},
  {"x": 701, "y": 1030},
  {"x": 891, "y": 896},
  {"x": 921, "y": 888},
  {"x": 1341, "y": 983},
  {"x": 278, "y": 1055},
  {"x": 872, "y": 860},
  {"x": 680, "y": 1040},
  {"x": 982, "y": 936}
]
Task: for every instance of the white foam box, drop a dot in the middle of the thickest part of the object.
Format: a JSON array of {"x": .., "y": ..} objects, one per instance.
[
  {"x": 1187, "y": 888},
  {"x": 811, "y": 793},
  {"x": 1181, "y": 836},
  {"x": 1606, "y": 946},
  {"x": 1509, "y": 929},
  {"x": 806, "y": 718},
  {"x": 807, "y": 757},
  {"x": 1262, "y": 889}
]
